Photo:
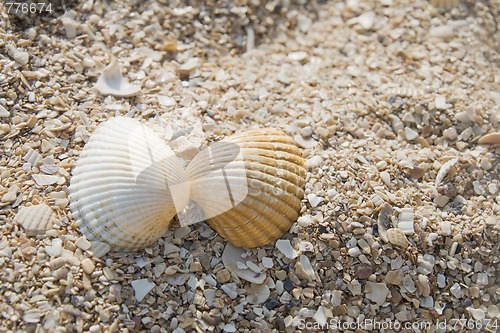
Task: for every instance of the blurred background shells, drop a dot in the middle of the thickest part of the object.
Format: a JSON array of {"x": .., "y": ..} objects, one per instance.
[
  {"x": 261, "y": 173},
  {"x": 126, "y": 185}
]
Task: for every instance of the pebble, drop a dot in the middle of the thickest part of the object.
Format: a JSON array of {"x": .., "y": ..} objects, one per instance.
[
  {"x": 394, "y": 277},
  {"x": 363, "y": 271},
  {"x": 267, "y": 262}
]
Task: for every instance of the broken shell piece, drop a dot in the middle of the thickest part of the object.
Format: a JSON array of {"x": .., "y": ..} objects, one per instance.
[
  {"x": 405, "y": 221},
  {"x": 141, "y": 288},
  {"x": 396, "y": 237},
  {"x": 111, "y": 82},
  {"x": 443, "y": 171},
  {"x": 376, "y": 292},
  {"x": 127, "y": 185},
  {"x": 258, "y": 294},
  {"x": 490, "y": 139},
  {"x": 232, "y": 260},
  {"x": 250, "y": 186},
  {"x": 35, "y": 220}
]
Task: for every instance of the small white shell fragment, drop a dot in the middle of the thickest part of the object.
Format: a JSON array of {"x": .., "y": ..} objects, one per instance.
[
  {"x": 366, "y": 20},
  {"x": 493, "y": 311},
  {"x": 3, "y": 112},
  {"x": 141, "y": 288},
  {"x": 410, "y": 134},
  {"x": 305, "y": 143},
  {"x": 32, "y": 157},
  {"x": 314, "y": 200},
  {"x": 306, "y": 246},
  {"x": 83, "y": 243},
  {"x": 32, "y": 316},
  {"x": 232, "y": 256},
  {"x": 376, "y": 292},
  {"x": 70, "y": 26},
  {"x": 267, "y": 262},
  {"x": 231, "y": 289},
  {"x": 490, "y": 139},
  {"x": 313, "y": 162},
  {"x": 285, "y": 247},
  {"x": 298, "y": 55},
  {"x": 111, "y": 82},
  {"x": 88, "y": 265},
  {"x": 445, "y": 228},
  {"x": 258, "y": 294},
  {"x": 188, "y": 66},
  {"x": 44, "y": 180},
  {"x": 477, "y": 314},
  {"x": 396, "y": 237},
  {"x": 441, "y": 32},
  {"x": 166, "y": 100},
  {"x": 443, "y": 171},
  {"x": 230, "y": 328},
  {"x": 405, "y": 221},
  {"x": 441, "y": 200},
  {"x": 55, "y": 249},
  {"x": 386, "y": 178},
  {"x": 440, "y": 103},
  {"x": 306, "y": 265},
  {"x": 35, "y": 220}
]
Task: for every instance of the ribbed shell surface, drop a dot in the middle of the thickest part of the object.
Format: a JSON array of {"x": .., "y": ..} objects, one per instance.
[
  {"x": 265, "y": 181},
  {"x": 120, "y": 192}
]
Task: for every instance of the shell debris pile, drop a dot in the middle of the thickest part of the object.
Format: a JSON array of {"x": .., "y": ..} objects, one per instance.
[{"x": 395, "y": 108}]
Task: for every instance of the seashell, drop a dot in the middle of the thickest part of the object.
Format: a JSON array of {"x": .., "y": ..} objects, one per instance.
[
  {"x": 126, "y": 185},
  {"x": 249, "y": 185},
  {"x": 443, "y": 171},
  {"x": 35, "y": 220},
  {"x": 111, "y": 82},
  {"x": 490, "y": 139}
]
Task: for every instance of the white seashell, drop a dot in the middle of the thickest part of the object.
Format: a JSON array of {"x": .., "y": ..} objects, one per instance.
[
  {"x": 126, "y": 186},
  {"x": 249, "y": 185},
  {"x": 35, "y": 220},
  {"x": 111, "y": 82},
  {"x": 284, "y": 246},
  {"x": 397, "y": 237},
  {"x": 443, "y": 171}
]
